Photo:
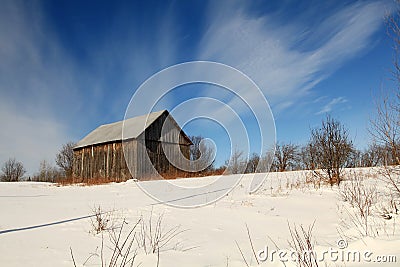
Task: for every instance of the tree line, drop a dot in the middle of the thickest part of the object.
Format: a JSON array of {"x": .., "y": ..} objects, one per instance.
[
  {"x": 13, "y": 170},
  {"x": 329, "y": 150}
]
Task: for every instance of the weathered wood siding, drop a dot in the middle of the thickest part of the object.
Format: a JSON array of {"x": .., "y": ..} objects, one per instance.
[
  {"x": 103, "y": 161},
  {"x": 151, "y": 157}
]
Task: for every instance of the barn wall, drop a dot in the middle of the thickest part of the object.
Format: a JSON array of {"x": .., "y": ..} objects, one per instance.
[
  {"x": 103, "y": 161},
  {"x": 151, "y": 158}
]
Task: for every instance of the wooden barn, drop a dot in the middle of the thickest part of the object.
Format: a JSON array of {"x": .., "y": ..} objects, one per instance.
[{"x": 100, "y": 154}]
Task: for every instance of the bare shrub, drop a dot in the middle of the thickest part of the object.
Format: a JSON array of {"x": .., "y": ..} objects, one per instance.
[
  {"x": 362, "y": 197},
  {"x": 102, "y": 220},
  {"x": 65, "y": 181},
  {"x": 153, "y": 236},
  {"x": 123, "y": 253},
  {"x": 364, "y": 226},
  {"x": 390, "y": 175},
  {"x": 12, "y": 171},
  {"x": 149, "y": 235},
  {"x": 311, "y": 179},
  {"x": 389, "y": 207},
  {"x": 358, "y": 194},
  {"x": 302, "y": 242}
]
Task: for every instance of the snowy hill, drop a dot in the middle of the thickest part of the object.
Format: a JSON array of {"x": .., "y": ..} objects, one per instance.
[{"x": 41, "y": 223}]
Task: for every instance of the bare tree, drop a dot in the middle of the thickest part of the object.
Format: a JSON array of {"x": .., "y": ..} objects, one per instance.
[
  {"x": 373, "y": 156},
  {"x": 236, "y": 164},
  {"x": 195, "y": 148},
  {"x": 385, "y": 127},
  {"x": 308, "y": 155},
  {"x": 286, "y": 156},
  {"x": 201, "y": 154},
  {"x": 65, "y": 158},
  {"x": 354, "y": 159},
  {"x": 13, "y": 171},
  {"x": 333, "y": 149},
  {"x": 252, "y": 164},
  {"x": 47, "y": 173},
  {"x": 266, "y": 161}
]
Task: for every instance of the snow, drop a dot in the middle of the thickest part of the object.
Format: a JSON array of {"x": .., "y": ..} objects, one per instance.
[{"x": 56, "y": 215}]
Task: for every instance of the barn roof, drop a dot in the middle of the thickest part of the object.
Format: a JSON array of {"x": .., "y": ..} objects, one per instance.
[{"x": 113, "y": 131}]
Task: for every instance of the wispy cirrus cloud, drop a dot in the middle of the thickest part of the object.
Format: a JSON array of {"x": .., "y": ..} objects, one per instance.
[
  {"x": 40, "y": 87},
  {"x": 288, "y": 58},
  {"x": 331, "y": 105}
]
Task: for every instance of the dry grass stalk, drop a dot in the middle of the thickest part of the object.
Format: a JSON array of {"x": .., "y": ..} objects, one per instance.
[
  {"x": 153, "y": 236},
  {"x": 302, "y": 242},
  {"x": 358, "y": 194},
  {"x": 123, "y": 254}
]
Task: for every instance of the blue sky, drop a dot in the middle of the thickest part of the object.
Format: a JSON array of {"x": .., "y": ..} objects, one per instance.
[{"x": 68, "y": 66}]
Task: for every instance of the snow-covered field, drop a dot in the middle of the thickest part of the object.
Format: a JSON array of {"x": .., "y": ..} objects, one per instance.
[{"x": 40, "y": 224}]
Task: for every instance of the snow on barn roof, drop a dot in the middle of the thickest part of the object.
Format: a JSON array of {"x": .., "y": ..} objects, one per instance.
[{"x": 113, "y": 131}]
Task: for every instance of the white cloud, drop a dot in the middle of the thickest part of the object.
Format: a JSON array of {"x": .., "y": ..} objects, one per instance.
[
  {"x": 331, "y": 105},
  {"x": 37, "y": 84},
  {"x": 270, "y": 52},
  {"x": 29, "y": 139},
  {"x": 319, "y": 99}
]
